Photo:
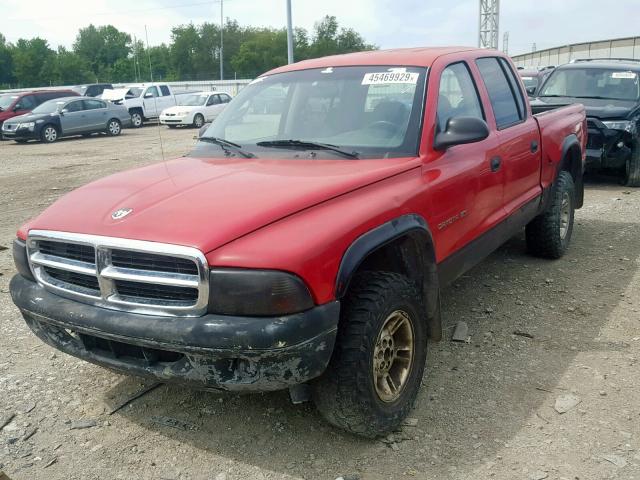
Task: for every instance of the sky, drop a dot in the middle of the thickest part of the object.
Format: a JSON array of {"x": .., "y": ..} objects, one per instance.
[{"x": 386, "y": 23}]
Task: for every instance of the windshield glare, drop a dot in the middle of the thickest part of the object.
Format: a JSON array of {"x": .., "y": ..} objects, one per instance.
[
  {"x": 51, "y": 106},
  {"x": 375, "y": 111},
  {"x": 593, "y": 82},
  {"x": 192, "y": 100},
  {"x": 6, "y": 101}
]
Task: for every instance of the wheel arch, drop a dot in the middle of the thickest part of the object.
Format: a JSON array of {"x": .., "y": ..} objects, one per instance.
[
  {"x": 403, "y": 245},
  {"x": 571, "y": 161}
]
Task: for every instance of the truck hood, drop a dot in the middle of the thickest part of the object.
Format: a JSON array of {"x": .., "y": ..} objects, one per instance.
[
  {"x": 207, "y": 202},
  {"x": 602, "y": 109},
  {"x": 115, "y": 94}
]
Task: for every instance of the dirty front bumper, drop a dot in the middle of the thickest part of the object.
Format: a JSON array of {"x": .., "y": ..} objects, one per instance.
[
  {"x": 212, "y": 352},
  {"x": 606, "y": 147}
]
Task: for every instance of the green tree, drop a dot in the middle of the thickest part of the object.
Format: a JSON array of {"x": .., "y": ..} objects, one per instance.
[
  {"x": 32, "y": 62},
  {"x": 101, "y": 47},
  {"x": 6, "y": 62},
  {"x": 69, "y": 68}
]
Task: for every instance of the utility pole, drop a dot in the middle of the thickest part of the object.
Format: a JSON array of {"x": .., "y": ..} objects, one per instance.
[
  {"x": 221, "y": 39},
  {"x": 534, "y": 47},
  {"x": 289, "y": 33},
  {"x": 489, "y": 24},
  {"x": 505, "y": 43}
]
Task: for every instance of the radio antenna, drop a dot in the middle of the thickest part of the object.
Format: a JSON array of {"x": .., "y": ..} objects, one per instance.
[{"x": 155, "y": 97}]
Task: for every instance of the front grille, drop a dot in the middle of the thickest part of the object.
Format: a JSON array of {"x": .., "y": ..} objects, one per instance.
[
  {"x": 111, "y": 348},
  {"x": 78, "y": 279},
  {"x": 156, "y": 292},
  {"x": 131, "y": 275},
  {"x": 153, "y": 262},
  {"x": 71, "y": 251}
]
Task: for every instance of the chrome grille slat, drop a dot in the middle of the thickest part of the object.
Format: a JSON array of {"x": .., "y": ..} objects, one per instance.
[{"x": 155, "y": 278}]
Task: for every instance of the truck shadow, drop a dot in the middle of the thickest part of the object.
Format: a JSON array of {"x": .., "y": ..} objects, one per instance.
[{"x": 476, "y": 396}]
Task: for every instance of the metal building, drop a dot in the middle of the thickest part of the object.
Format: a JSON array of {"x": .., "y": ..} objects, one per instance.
[{"x": 617, "y": 48}]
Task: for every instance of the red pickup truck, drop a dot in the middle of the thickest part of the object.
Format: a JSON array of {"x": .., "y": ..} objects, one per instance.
[{"x": 304, "y": 242}]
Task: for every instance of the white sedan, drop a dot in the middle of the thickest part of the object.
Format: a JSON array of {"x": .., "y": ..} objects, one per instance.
[{"x": 195, "y": 109}]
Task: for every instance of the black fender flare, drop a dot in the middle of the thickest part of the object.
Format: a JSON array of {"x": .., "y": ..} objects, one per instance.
[
  {"x": 571, "y": 142},
  {"x": 410, "y": 225}
]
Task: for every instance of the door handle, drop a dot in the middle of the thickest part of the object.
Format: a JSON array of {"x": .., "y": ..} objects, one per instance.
[
  {"x": 534, "y": 146},
  {"x": 496, "y": 162}
]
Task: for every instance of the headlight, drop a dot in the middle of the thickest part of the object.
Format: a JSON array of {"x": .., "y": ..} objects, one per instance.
[
  {"x": 257, "y": 293},
  {"x": 624, "y": 125},
  {"x": 29, "y": 125}
]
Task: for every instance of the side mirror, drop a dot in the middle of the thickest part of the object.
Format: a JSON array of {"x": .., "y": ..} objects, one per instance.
[
  {"x": 531, "y": 91},
  {"x": 148, "y": 95},
  {"x": 203, "y": 129},
  {"x": 63, "y": 111},
  {"x": 461, "y": 130}
]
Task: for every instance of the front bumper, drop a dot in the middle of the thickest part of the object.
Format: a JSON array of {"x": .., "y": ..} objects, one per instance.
[
  {"x": 606, "y": 148},
  {"x": 214, "y": 352},
  {"x": 175, "y": 120},
  {"x": 19, "y": 134}
]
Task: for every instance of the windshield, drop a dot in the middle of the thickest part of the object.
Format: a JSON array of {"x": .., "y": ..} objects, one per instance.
[
  {"x": 530, "y": 82},
  {"x": 134, "y": 92},
  {"x": 593, "y": 82},
  {"x": 192, "y": 100},
  {"x": 374, "y": 111},
  {"x": 51, "y": 106},
  {"x": 6, "y": 101}
]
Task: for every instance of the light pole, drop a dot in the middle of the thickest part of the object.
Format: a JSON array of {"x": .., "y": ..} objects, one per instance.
[
  {"x": 221, "y": 40},
  {"x": 289, "y": 33}
]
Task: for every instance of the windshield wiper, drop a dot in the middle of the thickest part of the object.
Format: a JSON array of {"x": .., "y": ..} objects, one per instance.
[
  {"x": 306, "y": 145},
  {"x": 552, "y": 96},
  {"x": 227, "y": 146}
]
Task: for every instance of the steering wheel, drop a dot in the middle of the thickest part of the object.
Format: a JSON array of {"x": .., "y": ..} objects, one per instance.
[{"x": 389, "y": 127}]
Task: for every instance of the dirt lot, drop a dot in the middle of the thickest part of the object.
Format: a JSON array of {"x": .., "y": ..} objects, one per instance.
[{"x": 486, "y": 409}]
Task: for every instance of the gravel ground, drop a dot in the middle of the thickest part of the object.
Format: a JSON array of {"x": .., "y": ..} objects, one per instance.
[{"x": 541, "y": 332}]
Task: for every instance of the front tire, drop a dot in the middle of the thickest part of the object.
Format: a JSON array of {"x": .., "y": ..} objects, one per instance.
[
  {"x": 549, "y": 234},
  {"x": 632, "y": 168},
  {"x": 114, "y": 127},
  {"x": 198, "y": 120},
  {"x": 136, "y": 119},
  {"x": 376, "y": 369},
  {"x": 49, "y": 134}
]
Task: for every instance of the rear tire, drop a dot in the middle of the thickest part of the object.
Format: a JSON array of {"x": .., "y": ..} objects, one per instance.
[
  {"x": 549, "y": 234},
  {"x": 114, "y": 127},
  {"x": 49, "y": 133},
  {"x": 632, "y": 168},
  {"x": 355, "y": 392},
  {"x": 198, "y": 120}
]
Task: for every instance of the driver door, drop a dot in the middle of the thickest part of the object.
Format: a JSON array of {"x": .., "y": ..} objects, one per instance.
[
  {"x": 73, "y": 117},
  {"x": 151, "y": 102}
]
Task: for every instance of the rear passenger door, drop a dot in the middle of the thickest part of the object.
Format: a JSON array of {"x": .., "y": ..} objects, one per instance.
[
  {"x": 167, "y": 100},
  {"x": 96, "y": 114},
  {"x": 517, "y": 130}
]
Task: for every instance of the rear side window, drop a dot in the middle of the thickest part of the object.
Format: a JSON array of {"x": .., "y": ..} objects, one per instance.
[
  {"x": 94, "y": 104},
  {"x": 515, "y": 87},
  {"x": 224, "y": 98},
  {"x": 457, "y": 96},
  {"x": 165, "y": 90},
  {"x": 501, "y": 95}
]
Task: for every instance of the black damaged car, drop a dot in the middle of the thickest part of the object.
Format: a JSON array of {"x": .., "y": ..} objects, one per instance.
[{"x": 610, "y": 91}]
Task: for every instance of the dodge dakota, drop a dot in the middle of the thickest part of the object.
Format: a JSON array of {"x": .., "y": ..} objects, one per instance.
[{"x": 305, "y": 240}]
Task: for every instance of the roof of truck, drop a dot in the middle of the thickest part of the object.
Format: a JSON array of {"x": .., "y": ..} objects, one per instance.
[{"x": 417, "y": 57}]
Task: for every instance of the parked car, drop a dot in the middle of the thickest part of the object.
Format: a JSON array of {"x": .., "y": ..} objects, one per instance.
[
  {"x": 67, "y": 116},
  {"x": 306, "y": 249},
  {"x": 144, "y": 101},
  {"x": 20, "y": 103},
  {"x": 533, "y": 78},
  {"x": 610, "y": 91},
  {"x": 93, "y": 89},
  {"x": 195, "y": 109}
]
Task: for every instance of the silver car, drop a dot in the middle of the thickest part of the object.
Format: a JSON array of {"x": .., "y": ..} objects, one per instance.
[{"x": 67, "y": 116}]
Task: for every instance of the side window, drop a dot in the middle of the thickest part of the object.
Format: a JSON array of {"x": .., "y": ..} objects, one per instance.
[
  {"x": 94, "y": 104},
  {"x": 165, "y": 90},
  {"x": 213, "y": 100},
  {"x": 74, "y": 106},
  {"x": 457, "y": 96},
  {"x": 224, "y": 98},
  {"x": 503, "y": 102},
  {"x": 151, "y": 90},
  {"x": 515, "y": 87},
  {"x": 28, "y": 102}
]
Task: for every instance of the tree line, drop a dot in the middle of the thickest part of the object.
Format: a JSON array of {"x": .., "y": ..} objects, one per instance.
[{"x": 106, "y": 54}]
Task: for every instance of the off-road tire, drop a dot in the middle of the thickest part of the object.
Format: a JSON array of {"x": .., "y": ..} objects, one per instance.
[
  {"x": 114, "y": 127},
  {"x": 632, "y": 168},
  {"x": 198, "y": 120},
  {"x": 346, "y": 394},
  {"x": 544, "y": 234},
  {"x": 137, "y": 120},
  {"x": 46, "y": 136}
]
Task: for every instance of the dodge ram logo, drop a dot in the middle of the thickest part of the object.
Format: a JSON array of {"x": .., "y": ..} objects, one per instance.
[{"x": 121, "y": 213}]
